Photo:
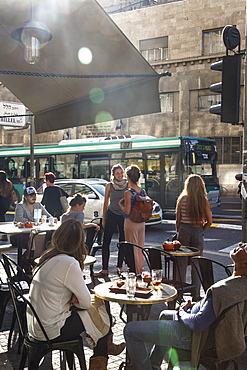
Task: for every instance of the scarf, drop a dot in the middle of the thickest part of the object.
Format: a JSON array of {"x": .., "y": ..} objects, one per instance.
[{"x": 119, "y": 185}]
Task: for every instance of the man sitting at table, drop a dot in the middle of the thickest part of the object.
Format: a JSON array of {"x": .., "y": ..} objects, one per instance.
[
  {"x": 187, "y": 327},
  {"x": 25, "y": 209},
  {"x": 25, "y": 212}
]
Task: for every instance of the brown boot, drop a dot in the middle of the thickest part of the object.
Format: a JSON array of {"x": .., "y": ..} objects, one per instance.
[
  {"x": 98, "y": 363},
  {"x": 114, "y": 349}
]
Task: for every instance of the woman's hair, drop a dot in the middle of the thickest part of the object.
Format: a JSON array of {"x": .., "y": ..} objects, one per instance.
[
  {"x": 195, "y": 191},
  {"x": 5, "y": 184},
  {"x": 77, "y": 199},
  {"x": 116, "y": 167},
  {"x": 134, "y": 173},
  {"x": 69, "y": 239},
  {"x": 49, "y": 176}
]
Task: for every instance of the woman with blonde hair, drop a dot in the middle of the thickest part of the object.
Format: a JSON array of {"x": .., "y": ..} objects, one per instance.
[
  {"x": 134, "y": 232},
  {"x": 62, "y": 300},
  {"x": 193, "y": 217}
]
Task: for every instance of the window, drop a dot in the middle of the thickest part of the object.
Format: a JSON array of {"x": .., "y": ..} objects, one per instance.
[
  {"x": 212, "y": 42},
  {"x": 154, "y": 49},
  {"x": 166, "y": 102},
  {"x": 205, "y": 101},
  {"x": 229, "y": 149}
]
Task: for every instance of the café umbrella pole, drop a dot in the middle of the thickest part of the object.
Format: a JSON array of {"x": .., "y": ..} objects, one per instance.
[
  {"x": 32, "y": 151},
  {"x": 244, "y": 157}
]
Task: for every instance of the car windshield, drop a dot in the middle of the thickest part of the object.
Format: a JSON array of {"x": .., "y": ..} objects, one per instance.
[{"x": 100, "y": 188}]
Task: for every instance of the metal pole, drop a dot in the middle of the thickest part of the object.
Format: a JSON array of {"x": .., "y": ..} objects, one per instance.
[
  {"x": 244, "y": 184},
  {"x": 32, "y": 151}
]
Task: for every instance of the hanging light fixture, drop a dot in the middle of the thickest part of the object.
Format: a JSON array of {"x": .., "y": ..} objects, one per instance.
[{"x": 33, "y": 35}]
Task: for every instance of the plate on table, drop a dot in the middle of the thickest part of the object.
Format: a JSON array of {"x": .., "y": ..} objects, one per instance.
[{"x": 140, "y": 292}]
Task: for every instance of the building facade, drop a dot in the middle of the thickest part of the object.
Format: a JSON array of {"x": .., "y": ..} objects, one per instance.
[{"x": 183, "y": 37}]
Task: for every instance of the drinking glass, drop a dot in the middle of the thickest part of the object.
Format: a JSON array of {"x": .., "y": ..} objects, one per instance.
[
  {"x": 146, "y": 277},
  {"x": 130, "y": 285},
  {"x": 156, "y": 279},
  {"x": 37, "y": 215},
  {"x": 51, "y": 221},
  {"x": 43, "y": 219}
]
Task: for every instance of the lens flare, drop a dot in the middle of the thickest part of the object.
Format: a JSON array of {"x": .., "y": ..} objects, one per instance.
[
  {"x": 96, "y": 95},
  {"x": 104, "y": 121},
  {"x": 85, "y": 55}
]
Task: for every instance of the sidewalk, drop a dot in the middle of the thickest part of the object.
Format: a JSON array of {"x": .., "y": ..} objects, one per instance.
[{"x": 9, "y": 360}]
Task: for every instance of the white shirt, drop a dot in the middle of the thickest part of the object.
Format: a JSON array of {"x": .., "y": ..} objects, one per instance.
[{"x": 50, "y": 294}]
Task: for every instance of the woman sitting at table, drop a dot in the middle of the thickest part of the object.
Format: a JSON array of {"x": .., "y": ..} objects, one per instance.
[
  {"x": 62, "y": 301},
  {"x": 75, "y": 211},
  {"x": 77, "y": 206}
]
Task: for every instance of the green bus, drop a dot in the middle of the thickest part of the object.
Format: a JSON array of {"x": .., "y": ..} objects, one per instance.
[{"x": 164, "y": 162}]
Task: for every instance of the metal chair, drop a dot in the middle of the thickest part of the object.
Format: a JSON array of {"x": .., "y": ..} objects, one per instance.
[
  {"x": 155, "y": 262},
  {"x": 4, "y": 299},
  {"x": 208, "y": 357},
  {"x": 94, "y": 243},
  {"x": 205, "y": 269},
  {"x": 15, "y": 272},
  {"x": 127, "y": 248},
  {"x": 34, "y": 350}
]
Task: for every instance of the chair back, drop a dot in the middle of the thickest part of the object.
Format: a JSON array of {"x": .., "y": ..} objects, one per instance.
[
  {"x": 17, "y": 294},
  {"x": 205, "y": 269},
  {"x": 127, "y": 250},
  {"x": 13, "y": 270},
  {"x": 93, "y": 235}
]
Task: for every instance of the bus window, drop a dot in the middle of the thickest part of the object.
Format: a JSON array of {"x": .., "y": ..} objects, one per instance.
[
  {"x": 94, "y": 167},
  {"x": 64, "y": 166}
]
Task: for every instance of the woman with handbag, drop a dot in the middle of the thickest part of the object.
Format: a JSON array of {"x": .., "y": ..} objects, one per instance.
[
  {"x": 62, "y": 300},
  {"x": 53, "y": 197},
  {"x": 7, "y": 194},
  {"x": 193, "y": 217},
  {"x": 134, "y": 231}
]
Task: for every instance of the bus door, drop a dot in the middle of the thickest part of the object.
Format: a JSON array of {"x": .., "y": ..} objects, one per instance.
[{"x": 155, "y": 176}]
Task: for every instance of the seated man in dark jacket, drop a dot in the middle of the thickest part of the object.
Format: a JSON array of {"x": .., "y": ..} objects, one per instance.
[{"x": 187, "y": 328}]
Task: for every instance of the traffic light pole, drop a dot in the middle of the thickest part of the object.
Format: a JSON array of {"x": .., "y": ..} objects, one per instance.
[{"x": 244, "y": 180}]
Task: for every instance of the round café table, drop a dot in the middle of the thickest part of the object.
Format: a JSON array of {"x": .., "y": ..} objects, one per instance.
[{"x": 166, "y": 294}]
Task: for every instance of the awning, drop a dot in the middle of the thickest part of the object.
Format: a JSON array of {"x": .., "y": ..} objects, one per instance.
[{"x": 60, "y": 102}]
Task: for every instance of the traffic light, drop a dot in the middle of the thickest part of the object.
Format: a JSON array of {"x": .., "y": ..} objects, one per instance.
[{"x": 229, "y": 88}]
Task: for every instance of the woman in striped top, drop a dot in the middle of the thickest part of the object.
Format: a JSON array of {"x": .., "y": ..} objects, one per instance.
[{"x": 193, "y": 217}]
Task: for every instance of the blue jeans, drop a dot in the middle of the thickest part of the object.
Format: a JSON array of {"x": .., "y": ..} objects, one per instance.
[{"x": 164, "y": 333}]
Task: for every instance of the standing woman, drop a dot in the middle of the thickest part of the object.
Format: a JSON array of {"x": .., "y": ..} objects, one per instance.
[
  {"x": 193, "y": 217},
  {"x": 113, "y": 217},
  {"x": 7, "y": 194},
  {"x": 134, "y": 232}
]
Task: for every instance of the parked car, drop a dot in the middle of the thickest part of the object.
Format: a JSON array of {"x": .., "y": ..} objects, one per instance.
[{"x": 94, "y": 191}]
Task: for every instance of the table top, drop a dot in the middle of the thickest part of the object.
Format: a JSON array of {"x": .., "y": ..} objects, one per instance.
[
  {"x": 168, "y": 293},
  {"x": 89, "y": 260},
  {"x": 182, "y": 251},
  {"x": 11, "y": 228}
]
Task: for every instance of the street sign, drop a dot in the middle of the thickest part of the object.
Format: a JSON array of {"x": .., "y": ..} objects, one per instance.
[{"x": 10, "y": 109}]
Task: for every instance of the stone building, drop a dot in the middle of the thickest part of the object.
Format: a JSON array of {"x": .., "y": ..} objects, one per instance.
[{"x": 184, "y": 38}]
